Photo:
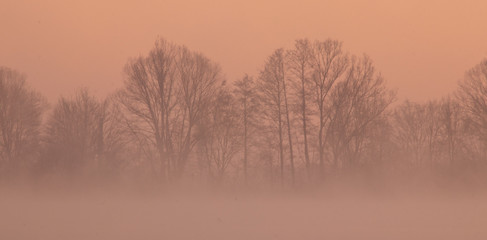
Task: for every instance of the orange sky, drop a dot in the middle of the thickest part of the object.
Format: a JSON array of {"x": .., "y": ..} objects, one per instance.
[{"x": 421, "y": 47}]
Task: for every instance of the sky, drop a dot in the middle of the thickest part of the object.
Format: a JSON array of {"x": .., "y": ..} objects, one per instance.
[{"x": 421, "y": 47}]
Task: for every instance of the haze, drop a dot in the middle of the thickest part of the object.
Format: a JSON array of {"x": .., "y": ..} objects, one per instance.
[
  {"x": 421, "y": 47},
  {"x": 340, "y": 119}
]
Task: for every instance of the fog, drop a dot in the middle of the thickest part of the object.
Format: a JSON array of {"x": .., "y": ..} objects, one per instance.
[
  {"x": 243, "y": 120},
  {"x": 100, "y": 214}
]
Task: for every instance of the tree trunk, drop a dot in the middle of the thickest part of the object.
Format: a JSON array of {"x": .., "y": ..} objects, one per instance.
[
  {"x": 245, "y": 142},
  {"x": 305, "y": 131},
  {"x": 291, "y": 157},
  {"x": 320, "y": 141},
  {"x": 281, "y": 150}
]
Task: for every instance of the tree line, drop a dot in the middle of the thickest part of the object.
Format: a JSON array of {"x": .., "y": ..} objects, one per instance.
[{"x": 313, "y": 111}]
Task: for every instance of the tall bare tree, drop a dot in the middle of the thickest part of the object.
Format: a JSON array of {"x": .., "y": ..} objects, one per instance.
[
  {"x": 300, "y": 66},
  {"x": 149, "y": 96},
  {"x": 199, "y": 82},
  {"x": 271, "y": 95},
  {"x": 288, "y": 120},
  {"x": 329, "y": 63},
  {"x": 472, "y": 95},
  {"x": 246, "y": 97},
  {"x": 21, "y": 112},
  {"x": 166, "y": 94},
  {"x": 357, "y": 105}
]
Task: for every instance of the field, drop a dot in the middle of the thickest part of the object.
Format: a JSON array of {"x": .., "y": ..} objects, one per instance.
[{"x": 101, "y": 215}]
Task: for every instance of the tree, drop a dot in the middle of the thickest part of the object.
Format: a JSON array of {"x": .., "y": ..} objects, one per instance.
[
  {"x": 83, "y": 133},
  {"x": 150, "y": 98},
  {"x": 199, "y": 83},
  {"x": 165, "y": 95},
  {"x": 300, "y": 66},
  {"x": 271, "y": 95},
  {"x": 357, "y": 105},
  {"x": 472, "y": 95},
  {"x": 245, "y": 94},
  {"x": 418, "y": 131},
  {"x": 221, "y": 140},
  {"x": 329, "y": 63},
  {"x": 288, "y": 121},
  {"x": 21, "y": 112},
  {"x": 452, "y": 119}
]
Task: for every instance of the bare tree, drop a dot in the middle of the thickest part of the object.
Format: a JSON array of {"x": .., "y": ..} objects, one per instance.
[
  {"x": 83, "y": 133},
  {"x": 433, "y": 131},
  {"x": 221, "y": 138},
  {"x": 245, "y": 94},
  {"x": 356, "y": 106},
  {"x": 198, "y": 83},
  {"x": 418, "y": 131},
  {"x": 472, "y": 95},
  {"x": 329, "y": 63},
  {"x": 271, "y": 91},
  {"x": 300, "y": 66},
  {"x": 452, "y": 119},
  {"x": 288, "y": 122},
  {"x": 115, "y": 140},
  {"x": 21, "y": 112},
  {"x": 150, "y": 98},
  {"x": 409, "y": 129},
  {"x": 166, "y": 94}
]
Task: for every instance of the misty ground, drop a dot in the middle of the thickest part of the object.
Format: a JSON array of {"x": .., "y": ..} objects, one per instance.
[{"x": 338, "y": 213}]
